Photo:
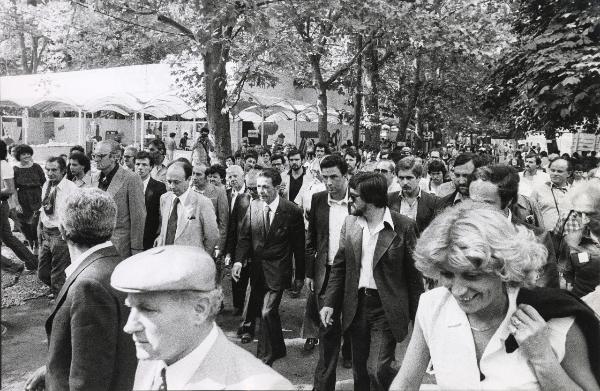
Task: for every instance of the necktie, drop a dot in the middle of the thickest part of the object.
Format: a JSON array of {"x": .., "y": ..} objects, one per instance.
[
  {"x": 49, "y": 199},
  {"x": 163, "y": 377},
  {"x": 172, "y": 223},
  {"x": 267, "y": 218}
]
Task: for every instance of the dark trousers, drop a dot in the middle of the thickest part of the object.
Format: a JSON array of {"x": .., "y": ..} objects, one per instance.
[
  {"x": 270, "y": 336},
  {"x": 7, "y": 237},
  {"x": 373, "y": 345},
  {"x": 238, "y": 289},
  {"x": 329, "y": 343},
  {"x": 54, "y": 259}
]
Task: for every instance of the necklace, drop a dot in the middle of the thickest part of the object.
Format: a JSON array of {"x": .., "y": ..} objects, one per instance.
[{"x": 485, "y": 328}]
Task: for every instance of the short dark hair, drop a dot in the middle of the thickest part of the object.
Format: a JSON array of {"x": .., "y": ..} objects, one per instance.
[
  {"x": 216, "y": 169},
  {"x": 294, "y": 152},
  {"x": 330, "y": 161},
  {"x": 77, "y": 148},
  {"x": 272, "y": 174},
  {"x": 62, "y": 165},
  {"x": 277, "y": 156},
  {"x": 159, "y": 145},
  {"x": 324, "y": 146},
  {"x": 538, "y": 161},
  {"x": 187, "y": 167},
  {"x": 372, "y": 187},
  {"x": 183, "y": 160},
  {"x": 230, "y": 157},
  {"x": 568, "y": 160},
  {"x": 410, "y": 163},
  {"x": 172, "y": 134},
  {"x": 3, "y": 150},
  {"x": 204, "y": 130},
  {"x": 266, "y": 151},
  {"x": 82, "y": 159},
  {"x": 463, "y": 158},
  {"x": 436, "y": 166},
  {"x": 503, "y": 176},
  {"x": 353, "y": 153},
  {"x": 251, "y": 153},
  {"x": 21, "y": 149},
  {"x": 143, "y": 155}
]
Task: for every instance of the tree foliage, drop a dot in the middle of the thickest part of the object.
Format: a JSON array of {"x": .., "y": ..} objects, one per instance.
[{"x": 551, "y": 76}]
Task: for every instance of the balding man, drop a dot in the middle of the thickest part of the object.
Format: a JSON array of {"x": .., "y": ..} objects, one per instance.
[
  {"x": 87, "y": 348},
  {"x": 187, "y": 217},
  {"x": 127, "y": 190},
  {"x": 174, "y": 300},
  {"x": 388, "y": 169},
  {"x": 552, "y": 196}
]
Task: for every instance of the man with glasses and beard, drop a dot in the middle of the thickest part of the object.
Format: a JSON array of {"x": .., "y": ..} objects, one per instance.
[
  {"x": 373, "y": 281},
  {"x": 127, "y": 190}
]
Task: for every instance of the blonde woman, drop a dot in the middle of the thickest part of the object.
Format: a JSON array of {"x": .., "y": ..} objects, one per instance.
[{"x": 477, "y": 329}]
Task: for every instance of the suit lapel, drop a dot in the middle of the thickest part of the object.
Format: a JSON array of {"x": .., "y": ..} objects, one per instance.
[
  {"x": 116, "y": 182},
  {"x": 385, "y": 239},
  {"x": 356, "y": 237},
  {"x": 277, "y": 219},
  {"x": 421, "y": 208},
  {"x": 109, "y": 251},
  {"x": 183, "y": 220}
]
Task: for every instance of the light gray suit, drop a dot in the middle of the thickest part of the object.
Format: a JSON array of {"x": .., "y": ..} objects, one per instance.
[
  {"x": 127, "y": 190},
  {"x": 196, "y": 226},
  {"x": 225, "y": 367}
]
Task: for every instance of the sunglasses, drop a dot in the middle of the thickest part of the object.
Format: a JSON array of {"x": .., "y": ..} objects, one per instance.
[
  {"x": 381, "y": 170},
  {"x": 99, "y": 156}
]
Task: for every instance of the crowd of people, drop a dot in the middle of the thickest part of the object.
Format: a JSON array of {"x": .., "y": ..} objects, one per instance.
[{"x": 493, "y": 257}]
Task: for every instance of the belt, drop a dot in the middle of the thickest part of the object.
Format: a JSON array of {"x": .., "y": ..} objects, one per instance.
[
  {"x": 50, "y": 229},
  {"x": 368, "y": 292}
]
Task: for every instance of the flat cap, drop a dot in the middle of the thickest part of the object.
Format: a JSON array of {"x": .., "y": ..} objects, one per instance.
[{"x": 166, "y": 268}]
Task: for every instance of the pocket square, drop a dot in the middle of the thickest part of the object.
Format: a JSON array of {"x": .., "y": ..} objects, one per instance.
[{"x": 192, "y": 217}]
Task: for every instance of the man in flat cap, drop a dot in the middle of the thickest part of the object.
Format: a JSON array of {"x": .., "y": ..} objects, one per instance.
[
  {"x": 87, "y": 348},
  {"x": 174, "y": 300}
]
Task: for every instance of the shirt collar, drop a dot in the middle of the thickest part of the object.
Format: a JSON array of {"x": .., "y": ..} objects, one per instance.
[
  {"x": 458, "y": 197},
  {"x": 75, "y": 263},
  {"x": 418, "y": 195},
  {"x": 273, "y": 205},
  {"x": 387, "y": 219},
  {"x": 180, "y": 372},
  {"x": 562, "y": 188},
  {"x": 183, "y": 197},
  {"x": 343, "y": 201},
  {"x": 145, "y": 181}
]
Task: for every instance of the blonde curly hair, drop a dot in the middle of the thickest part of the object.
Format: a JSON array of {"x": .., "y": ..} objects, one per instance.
[{"x": 466, "y": 238}]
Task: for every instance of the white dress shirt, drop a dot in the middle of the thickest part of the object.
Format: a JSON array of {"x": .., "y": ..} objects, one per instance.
[
  {"x": 235, "y": 194},
  {"x": 409, "y": 210},
  {"x": 528, "y": 183},
  {"x": 64, "y": 188},
  {"x": 369, "y": 242},
  {"x": 179, "y": 373},
  {"x": 338, "y": 210},
  {"x": 180, "y": 206},
  {"x": 273, "y": 207},
  {"x": 75, "y": 262},
  {"x": 145, "y": 182}
]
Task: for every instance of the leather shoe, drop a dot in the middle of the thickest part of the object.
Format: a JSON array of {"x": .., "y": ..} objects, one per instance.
[
  {"x": 247, "y": 338},
  {"x": 347, "y": 363},
  {"x": 310, "y": 344}
]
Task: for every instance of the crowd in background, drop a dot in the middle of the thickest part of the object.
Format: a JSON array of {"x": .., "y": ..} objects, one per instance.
[{"x": 478, "y": 226}]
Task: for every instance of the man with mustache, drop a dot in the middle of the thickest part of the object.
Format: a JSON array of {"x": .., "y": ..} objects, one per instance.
[{"x": 465, "y": 165}]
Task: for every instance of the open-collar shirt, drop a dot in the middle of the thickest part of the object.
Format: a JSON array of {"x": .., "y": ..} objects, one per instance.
[
  {"x": 369, "y": 242},
  {"x": 338, "y": 210}
]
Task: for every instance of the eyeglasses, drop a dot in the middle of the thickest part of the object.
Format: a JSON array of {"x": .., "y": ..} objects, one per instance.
[
  {"x": 127, "y": 157},
  {"x": 99, "y": 156},
  {"x": 381, "y": 170},
  {"x": 197, "y": 173}
]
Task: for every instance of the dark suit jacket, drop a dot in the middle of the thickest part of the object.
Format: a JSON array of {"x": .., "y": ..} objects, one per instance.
[
  {"x": 152, "y": 195},
  {"x": 398, "y": 282},
  {"x": 445, "y": 202},
  {"x": 426, "y": 208},
  {"x": 240, "y": 207},
  {"x": 88, "y": 349},
  {"x": 317, "y": 240},
  {"x": 271, "y": 253}
]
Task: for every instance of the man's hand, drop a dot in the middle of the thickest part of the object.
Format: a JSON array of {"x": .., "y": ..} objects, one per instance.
[
  {"x": 326, "y": 316},
  {"x": 227, "y": 259},
  {"x": 37, "y": 381},
  {"x": 236, "y": 271},
  {"x": 19, "y": 209},
  {"x": 310, "y": 283},
  {"x": 298, "y": 284},
  {"x": 217, "y": 253}
]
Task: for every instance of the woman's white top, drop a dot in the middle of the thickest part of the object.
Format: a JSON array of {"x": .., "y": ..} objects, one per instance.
[{"x": 448, "y": 335}]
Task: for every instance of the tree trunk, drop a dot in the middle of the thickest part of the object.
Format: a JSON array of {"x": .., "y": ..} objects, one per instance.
[
  {"x": 412, "y": 101},
  {"x": 358, "y": 94},
  {"x": 322, "y": 110},
  {"x": 373, "y": 131},
  {"x": 216, "y": 97}
]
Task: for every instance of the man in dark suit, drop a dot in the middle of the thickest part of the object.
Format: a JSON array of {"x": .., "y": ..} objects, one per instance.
[
  {"x": 465, "y": 165},
  {"x": 374, "y": 281},
  {"x": 88, "y": 349},
  {"x": 326, "y": 217},
  {"x": 153, "y": 189},
  {"x": 240, "y": 200},
  {"x": 497, "y": 187},
  {"x": 411, "y": 201},
  {"x": 272, "y": 232}
]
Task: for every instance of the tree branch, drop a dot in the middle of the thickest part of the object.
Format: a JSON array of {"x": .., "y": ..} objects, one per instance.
[
  {"x": 347, "y": 66},
  {"x": 168, "y": 21}
]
